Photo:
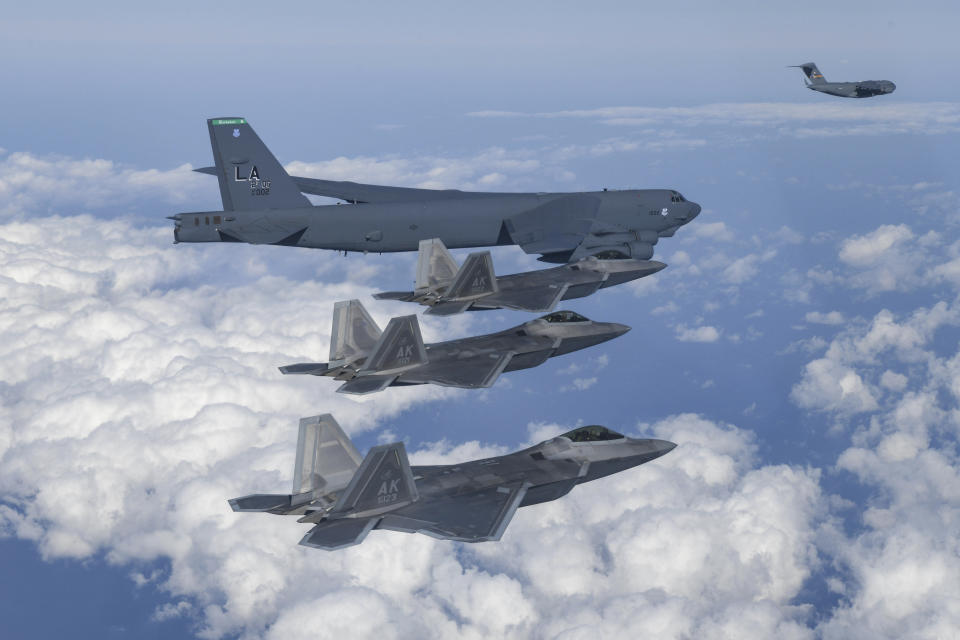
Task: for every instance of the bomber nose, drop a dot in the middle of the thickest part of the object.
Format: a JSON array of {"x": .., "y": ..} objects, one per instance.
[{"x": 694, "y": 211}]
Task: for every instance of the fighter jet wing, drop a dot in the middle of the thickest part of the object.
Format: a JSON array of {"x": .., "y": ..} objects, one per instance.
[
  {"x": 471, "y": 517},
  {"x": 469, "y": 373},
  {"x": 542, "y": 298}
]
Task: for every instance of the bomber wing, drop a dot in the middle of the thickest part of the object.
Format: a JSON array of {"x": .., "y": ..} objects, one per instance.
[{"x": 476, "y": 516}]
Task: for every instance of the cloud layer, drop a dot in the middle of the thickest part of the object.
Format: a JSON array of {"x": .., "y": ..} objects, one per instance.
[{"x": 136, "y": 399}]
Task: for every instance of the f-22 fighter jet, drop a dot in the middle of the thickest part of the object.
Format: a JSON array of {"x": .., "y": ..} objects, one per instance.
[
  {"x": 262, "y": 204},
  {"x": 447, "y": 288},
  {"x": 862, "y": 89},
  {"x": 345, "y": 498},
  {"x": 367, "y": 360}
]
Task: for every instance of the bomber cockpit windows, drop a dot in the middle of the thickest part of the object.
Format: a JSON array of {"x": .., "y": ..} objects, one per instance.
[
  {"x": 675, "y": 196},
  {"x": 592, "y": 433},
  {"x": 564, "y": 316}
]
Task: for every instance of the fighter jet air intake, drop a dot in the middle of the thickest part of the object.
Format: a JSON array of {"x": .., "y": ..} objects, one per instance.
[
  {"x": 367, "y": 360},
  {"x": 262, "y": 204},
  {"x": 863, "y": 89},
  {"x": 345, "y": 497}
]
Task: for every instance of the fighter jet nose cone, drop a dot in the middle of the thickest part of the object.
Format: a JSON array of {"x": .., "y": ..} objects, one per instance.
[
  {"x": 619, "y": 329},
  {"x": 664, "y": 446}
]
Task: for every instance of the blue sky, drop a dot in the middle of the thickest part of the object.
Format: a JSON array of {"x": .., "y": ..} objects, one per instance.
[{"x": 801, "y": 347}]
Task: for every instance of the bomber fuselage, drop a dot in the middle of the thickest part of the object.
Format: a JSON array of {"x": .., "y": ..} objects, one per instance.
[{"x": 475, "y": 220}]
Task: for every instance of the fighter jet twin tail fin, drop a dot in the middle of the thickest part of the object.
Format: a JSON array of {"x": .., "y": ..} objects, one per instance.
[
  {"x": 383, "y": 482},
  {"x": 453, "y": 286},
  {"x": 329, "y": 471},
  {"x": 379, "y": 356},
  {"x": 326, "y": 463}
]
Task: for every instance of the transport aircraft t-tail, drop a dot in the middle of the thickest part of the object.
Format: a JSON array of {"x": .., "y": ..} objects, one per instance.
[
  {"x": 345, "y": 497},
  {"x": 367, "y": 361},
  {"x": 448, "y": 288},
  {"x": 863, "y": 89},
  {"x": 262, "y": 204}
]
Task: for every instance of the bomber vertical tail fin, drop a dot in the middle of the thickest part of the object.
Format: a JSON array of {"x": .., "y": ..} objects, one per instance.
[
  {"x": 813, "y": 74},
  {"x": 399, "y": 348},
  {"x": 250, "y": 176},
  {"x": 435, "y": 266},
  {"x": 355, "y": 334}
]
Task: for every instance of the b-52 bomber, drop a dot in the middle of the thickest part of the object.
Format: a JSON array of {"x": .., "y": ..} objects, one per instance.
[
  {"x": 862, "y": 89},
  {"x": 262, "y": 204},
  {"x": 368, "y": 361},
  {"x": 448, "y": 289},
  {"x": 345, "y": 498}
]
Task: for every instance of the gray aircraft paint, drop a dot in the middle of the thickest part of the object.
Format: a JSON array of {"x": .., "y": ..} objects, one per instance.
[
  {"x": 863, "y": 89},
  {"x": 469, "y": 502},
  {"x": 400, "y": 358},
  {"x": 262, "y": 206},
  {"x": 448, "y": 289}
]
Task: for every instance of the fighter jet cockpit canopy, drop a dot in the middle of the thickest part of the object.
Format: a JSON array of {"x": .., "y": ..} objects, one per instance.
[
  {"x": 558, "y": 317},
  {"x": 592, "y": 433}
]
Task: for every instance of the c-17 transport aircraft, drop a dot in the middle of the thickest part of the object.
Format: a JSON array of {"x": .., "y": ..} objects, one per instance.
[
  {"x": 346, "y": 498},
  {"x": 262, "y": 204},
  {"x": 862, "y": 89},
  {"x": 447, "y": 288},
  {"x": 368, "y": 361}
]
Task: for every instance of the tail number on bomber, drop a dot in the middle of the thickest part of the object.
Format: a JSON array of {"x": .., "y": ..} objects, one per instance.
[{"x": 258, "y": 186}]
